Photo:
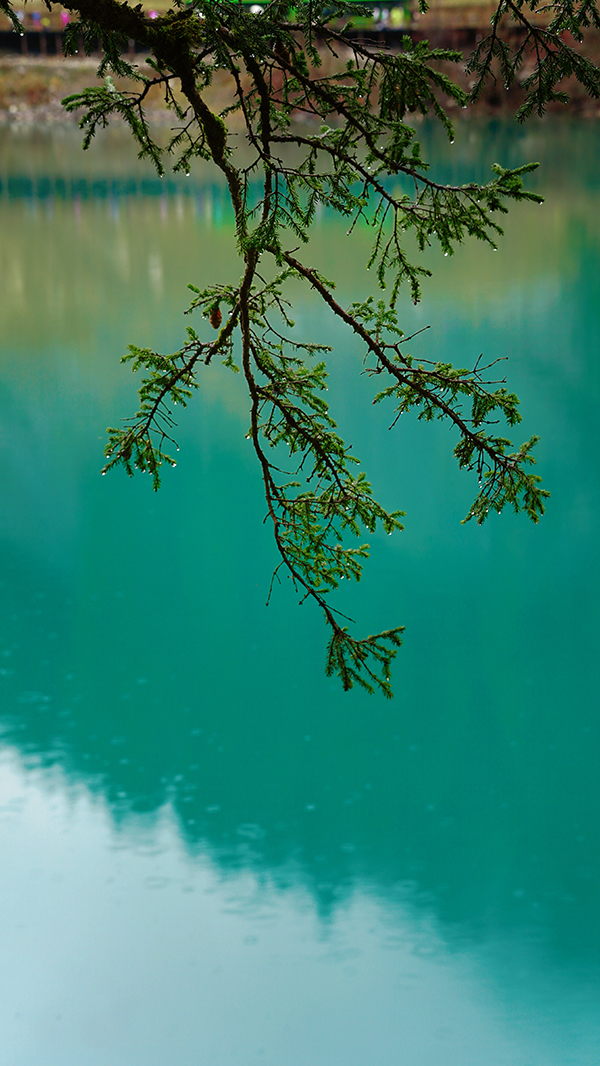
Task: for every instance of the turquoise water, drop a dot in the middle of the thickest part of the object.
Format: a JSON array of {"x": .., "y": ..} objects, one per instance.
[{"x": 211, "y": 854}]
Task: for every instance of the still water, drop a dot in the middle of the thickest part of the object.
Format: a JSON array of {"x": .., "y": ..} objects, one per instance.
[{"x": 210, "y": 854}]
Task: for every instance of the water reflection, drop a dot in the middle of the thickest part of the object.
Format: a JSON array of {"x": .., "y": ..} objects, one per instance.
[{"x": 142, "y": 675}]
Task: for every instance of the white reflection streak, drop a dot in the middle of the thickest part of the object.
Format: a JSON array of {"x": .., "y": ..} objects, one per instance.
[{"x": 117, "y": 943}]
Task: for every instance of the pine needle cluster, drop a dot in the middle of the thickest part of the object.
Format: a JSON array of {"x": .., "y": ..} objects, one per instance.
[{"x": 357, "y": 153}]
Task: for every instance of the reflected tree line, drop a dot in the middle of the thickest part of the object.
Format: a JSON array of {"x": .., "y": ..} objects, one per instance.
[{"x": 467, "y": 813}]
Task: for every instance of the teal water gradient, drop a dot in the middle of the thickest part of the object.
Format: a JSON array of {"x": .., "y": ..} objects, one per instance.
[{"x": 415, "y": 881}]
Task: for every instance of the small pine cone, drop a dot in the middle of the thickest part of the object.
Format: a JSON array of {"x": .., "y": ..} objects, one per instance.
[{"x": 216, "y": 317}]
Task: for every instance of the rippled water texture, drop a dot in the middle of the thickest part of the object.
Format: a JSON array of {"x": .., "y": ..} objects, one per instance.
[{"x": 210, "y": 854}]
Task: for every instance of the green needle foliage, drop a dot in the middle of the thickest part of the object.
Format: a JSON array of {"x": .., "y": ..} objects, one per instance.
[{"x": 355, "y": 136}]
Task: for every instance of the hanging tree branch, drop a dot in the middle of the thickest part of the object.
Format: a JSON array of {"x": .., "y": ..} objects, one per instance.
[{"x": 360, "y": 137}]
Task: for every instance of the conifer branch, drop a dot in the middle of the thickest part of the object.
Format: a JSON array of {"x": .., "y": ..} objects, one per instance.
[{"x": 359, "y": 139}]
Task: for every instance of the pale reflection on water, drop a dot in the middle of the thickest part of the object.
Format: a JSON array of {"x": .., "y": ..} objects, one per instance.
[
  {"x": 118, "y": 947},
  {"x": 210, "y": 854}
]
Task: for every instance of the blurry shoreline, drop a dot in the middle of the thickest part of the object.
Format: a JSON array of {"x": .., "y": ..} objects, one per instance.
[{"x": 33, "y": 86}]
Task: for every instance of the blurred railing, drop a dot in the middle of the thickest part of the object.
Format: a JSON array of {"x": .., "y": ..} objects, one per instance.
[{"x": 459, "y": 21}]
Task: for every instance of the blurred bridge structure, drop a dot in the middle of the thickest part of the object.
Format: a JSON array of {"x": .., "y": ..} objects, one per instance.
[{"x": 453, "y": 23}]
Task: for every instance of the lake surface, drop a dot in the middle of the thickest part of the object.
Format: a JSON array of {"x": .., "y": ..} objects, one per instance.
[{"x": 210, "y": 854}]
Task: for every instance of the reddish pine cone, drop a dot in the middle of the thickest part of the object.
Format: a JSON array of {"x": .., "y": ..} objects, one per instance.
[{"x": 216, "y": 317}]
